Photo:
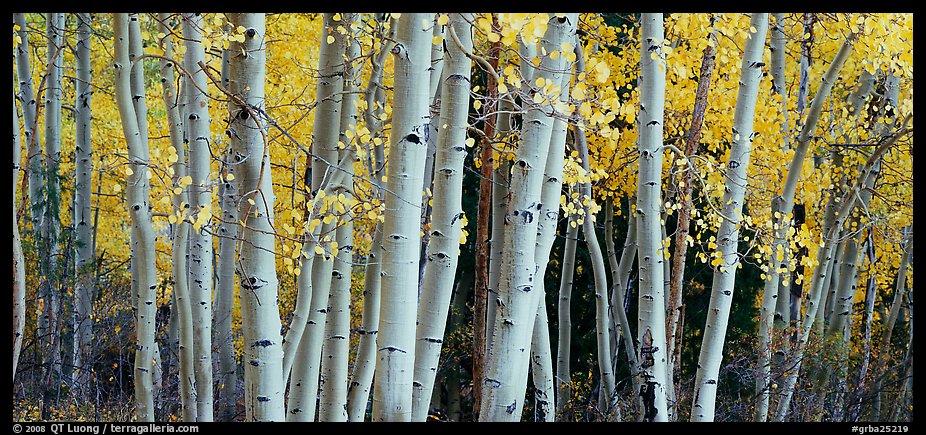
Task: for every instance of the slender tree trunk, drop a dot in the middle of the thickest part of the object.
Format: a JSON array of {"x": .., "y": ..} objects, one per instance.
[
  {"x": 200, "y": 249},
  {"x": 602, "y": 320},
  {"x": 140, "y": 213},
  {"x": 83, "y": 255},
  {"x": 227, "y": 382},
  {"x": 483, "y": 299},
  {"x": 542, "y": 366},
  {"x": 726, "y": 258},
  {"x": 19, "y": 267},
  {"x": 686, "y": 186},
  {"x": 181, "y": 300},
  {"x": 888, "y": 328},
  {"x": 861, "y": 187},
  {"x": 499, "y": 185},
  {"x": 307, "y": 360},
  {"x": 263, "y": 352},
  {"x": 652, "y": 334},
  {"x": 30, "y": 110},
  {"x": 392, "y": 394},
  {"x": 51, "y": 221},
  {"x": 564, "y": 321},
  {"x": 358, "y": 394},
  {"x": 787, "y": 204},
  {"x": 506, "y": 377},
  {"x": 446, "y": 219},
  {"x": 333, "y": 398},
  {"x": 547, "y": 220}
]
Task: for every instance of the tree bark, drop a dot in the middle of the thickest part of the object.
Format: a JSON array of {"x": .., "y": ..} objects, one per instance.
[
  {"x": 263, "y": 355},
  {"x": 447, "y": 216},
  {"x": 81, "y": 218},
  {"x": 564, "y": 321},
  {"x": 726, "y": 258},
  {"x": 140, "y": 213},
  {"x": 787, "y": 204},
  {"x": 200, "y": 249},
  {"x": 392, "y": 394},
  {"x": 652, "y": 324},
  {"x": 506, "y": 377},
  {"x": 179, "y": 253},
  {"x": 19, "y": 267}
]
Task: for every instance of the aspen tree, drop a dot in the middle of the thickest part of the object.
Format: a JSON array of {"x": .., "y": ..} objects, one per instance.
[
  {"x": 447, "y": 217},
  {"x": 726, "y": 257},
  {"x": 263, "y": 355},
  {"x": 50, "y": 336},
  {"x": 140, "y": 213},
  {"x": 395, "y": 354},
  {"x": 200, "y": 261},
  {"x": 181, "y": 294},
  {"x": 81, "y": 218},
  {"x": 307, "y": 359},
  {"x": 19, "y": 267},
  {"x": 786, "y": 199},
  {"x": 333, "y": 382},
  {"x": 506, "y": 376},
  {"x": 651, "y": 333}
]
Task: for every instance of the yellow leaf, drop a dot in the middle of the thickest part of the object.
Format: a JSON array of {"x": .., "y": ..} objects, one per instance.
[
  {"x": 128, "y": 170},
  {"x": 470, "y": 142},
  {"x": 330, "y": 39},
  {"x": 442, "y": 19},
  {"x": 319, "y": 250},
  {"x": 477, "y": 104}
]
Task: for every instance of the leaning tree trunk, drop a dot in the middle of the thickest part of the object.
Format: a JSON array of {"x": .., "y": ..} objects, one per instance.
[
  {"x": 200, "y": 249},
  {"x": 263, "y": 351},
  {"x": 358, "y": 394},
  {"x": 447, "y": 217},
  {"x": 726, "y": 258},
  {"x": 506, "y": 376},
  {"x": 602, "y": 314},
  {"x": 83, "y": 252},
  {"x": 651, "y": 317},
  {"x": 859, "y": 189},
  {"x": 564, "y": 321},
  {"x": 786, "y": 199},
  {"x": 888, "y": 329},
  {"x": 19, "y": 267},
  {"x": 307, "y": 360},
  {"x": 181, "y": 299},
  {"x": 683, "y": 197},
  {"x": 140, "y": 214},
  {"x": 547, "y": 219}
]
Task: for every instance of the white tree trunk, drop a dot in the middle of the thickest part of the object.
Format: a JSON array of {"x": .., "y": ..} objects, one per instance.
[
  {"x": 263, "y": 352},
  {"x": 547, "y": 220},
  {"x": 31, "y": 134},
  {"x": 766, "y": 316},
  {"x": 652, "y": 325},
  {"x": 181, "y": 299},
  {"x": 446, "y": 219},
  {"x": 50, "y": 336},
  {"x": 718, "y": 312},
  {"x": 81, "y": 218},
  {"x": 859, "y": 191},
  {"x": 392, "y": 393},
  {"x": 227, "y": 381},
  {"x": 564, "y": 320},
  {"x": 888, "y": 330},
  {"x": 140, "y": 213},
  {"x": 200, "y": 249},
  {"x": 602, "y": 314},
  {"x": 333, "y": 397},
  {"x": 507, "y": 359},
  {"x": 19, "y": 267}
]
